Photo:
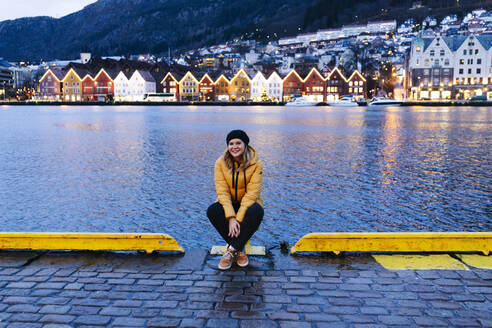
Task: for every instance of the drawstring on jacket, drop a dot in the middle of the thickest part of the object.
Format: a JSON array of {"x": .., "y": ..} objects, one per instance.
[{"x": 237, "y": 178}]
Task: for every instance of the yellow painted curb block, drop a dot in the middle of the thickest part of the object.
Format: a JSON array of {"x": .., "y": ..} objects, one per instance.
[
  {"x": 419, "y": 262},
  {"x": 148, "y": 242},
  {"x": 250, "y": 250},
  {"x": 395, "y": 242},
  {"x": 478, "y": 261}
]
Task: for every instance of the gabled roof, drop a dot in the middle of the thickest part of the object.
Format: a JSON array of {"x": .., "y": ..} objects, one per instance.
[
  {"x": 57, "y": 73},
  {"x": 427, "y": 43},
  {"x": 222, "y": 76},
  {"x": 259, "y": 74},
  {"x": 356, "y": 72},
  {"x": 121, "y": 73},
  {"x": 273, "y": 74},
  {"x": 171, "y": 75},
  {"x": 336, "y": 70},
  {"x": 295, "y": 73},
  {"x": 188, "y": 74},
  {"x": 145, "y": 75},
  {"x": 87, "y": 76},
  {"x": 78, "y": 73},
  {"x": 102, "y": 71},
  {"x": 314, "y": 71},
  {"x": 485, "y": 40},
  {"x": 239, "y": 73},
  {"x": 454, "y": 42},
  {"x": 206, "y": 76}
]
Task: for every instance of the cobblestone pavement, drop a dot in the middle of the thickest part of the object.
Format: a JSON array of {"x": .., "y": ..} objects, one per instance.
[{"x": 137, "y": 290}]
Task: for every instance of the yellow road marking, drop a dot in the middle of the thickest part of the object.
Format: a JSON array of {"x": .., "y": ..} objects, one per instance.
[
  {"x": 148, "y": 242},
  {"x": 395, "y": 242},
  {"x": 419, "y": 262},
  {"x": 478, "y": 261}
]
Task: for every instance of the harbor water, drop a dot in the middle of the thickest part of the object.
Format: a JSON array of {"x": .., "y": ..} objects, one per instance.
[{"x": 327, "y": 169}]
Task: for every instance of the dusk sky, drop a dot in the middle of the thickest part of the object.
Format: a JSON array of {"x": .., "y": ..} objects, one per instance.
[{"x": 28, "y": 8}]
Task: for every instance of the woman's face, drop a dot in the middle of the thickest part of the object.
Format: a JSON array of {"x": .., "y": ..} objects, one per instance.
[{"x": 236, "y": 148}]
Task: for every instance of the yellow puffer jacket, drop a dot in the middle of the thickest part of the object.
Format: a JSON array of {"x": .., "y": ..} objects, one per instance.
[{"x": 226, "y": 190}]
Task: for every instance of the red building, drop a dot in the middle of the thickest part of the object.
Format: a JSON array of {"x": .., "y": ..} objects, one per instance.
[
  {"x": 314, "y": 86},
  {"x": 103, "y": 86},
  {"x": 206, "y": 88},
  {"x": 87, "y": 88},
  {"x": 357, "y": 85},
  {"x": 50, "y": 85},
  {"x": 170, "y": 84},
  {"x": 336, "y": 85},
  {"x": 293, "y": 85}
]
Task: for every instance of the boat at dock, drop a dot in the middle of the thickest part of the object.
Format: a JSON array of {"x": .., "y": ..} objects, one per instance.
[
  {"x": 380, "y": 101},
  {"x": 302, "y": 102},
  {"x": 345, "y": 101}
]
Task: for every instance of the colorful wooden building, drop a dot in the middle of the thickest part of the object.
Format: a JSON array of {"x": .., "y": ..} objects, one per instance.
[
  {"x": 170, "y": 84},
  {"x": 314, "y": 86},
  {"x": 72, "y": 85},
  {"x": 240, "y": 87},
  {"x": 188, "y": 88},
  {"x": 206, "y": 88},
  {"x": 88, "y": 88},
  {"x": 50, "y": 85},
  {"x": 103, "y": 86},
  {"x": 335, "y": 85},
  {"x": 222, "y": 85},
  {"x": 357, "y": 85},
  {"x": 293, "y": 85}
]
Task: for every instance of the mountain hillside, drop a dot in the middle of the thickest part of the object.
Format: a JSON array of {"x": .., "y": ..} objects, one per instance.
[{"x": 122, "y": 27}]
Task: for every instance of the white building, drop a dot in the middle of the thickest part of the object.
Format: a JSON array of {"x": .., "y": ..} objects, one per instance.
[
  {"x": 274, "y": 87},
  {"x": 451, "y": 67},
  {"x": 141, "y": 83},
  {"x": 258, "y": 86},
  {"x": 122, "y": 91}
]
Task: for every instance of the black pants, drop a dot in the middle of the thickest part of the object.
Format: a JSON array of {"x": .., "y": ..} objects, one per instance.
[{"x": 250, "y": 224}]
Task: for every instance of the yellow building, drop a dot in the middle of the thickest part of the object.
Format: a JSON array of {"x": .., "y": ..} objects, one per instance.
[
  {"x": 188, "y": 88},
  {"x": 222, "y": 88},
  {"x": 72, "y": 86},
  {"x": 240, "y": 87}
]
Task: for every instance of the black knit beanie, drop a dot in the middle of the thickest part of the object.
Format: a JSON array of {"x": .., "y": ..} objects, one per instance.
[{"x": 237, "y": 134}]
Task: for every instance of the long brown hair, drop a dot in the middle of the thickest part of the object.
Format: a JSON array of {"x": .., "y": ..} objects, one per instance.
[{"x": 246, "y": 158}]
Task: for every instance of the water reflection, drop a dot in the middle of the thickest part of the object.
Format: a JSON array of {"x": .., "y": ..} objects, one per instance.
[{"x": 140, "y": 169}]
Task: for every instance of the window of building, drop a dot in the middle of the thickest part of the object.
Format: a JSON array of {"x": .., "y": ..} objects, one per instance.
[
  {"x": 426, "y": 72},
  {"x": 476, "y": 51},
  {"x": 426, "y": 62},
  {"x": 436, "y": 62},
  {"x": 432, "y": 53},
  {"x": 461, "y": 71},
  {"x": 479, "y": 71},
  {"x": 462, "y": 61},
  {"x": 464, "y": 52},
  {"x": 441, "y": 53},
  {"x": 469, "y": 71},
  {"x": 479, "y": 61},
  {"x": 446, "y": 61}
]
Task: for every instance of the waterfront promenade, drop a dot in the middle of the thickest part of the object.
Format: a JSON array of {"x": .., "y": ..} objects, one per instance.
[{"x": 78, "y": 289}]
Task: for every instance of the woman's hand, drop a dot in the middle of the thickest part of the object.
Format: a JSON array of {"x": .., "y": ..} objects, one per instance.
[{"x": 234, "y": 228}]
